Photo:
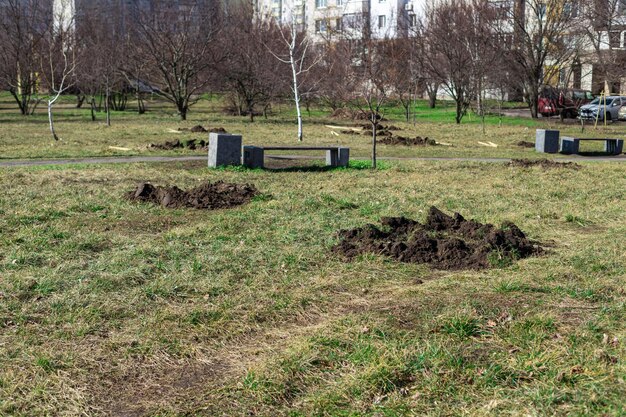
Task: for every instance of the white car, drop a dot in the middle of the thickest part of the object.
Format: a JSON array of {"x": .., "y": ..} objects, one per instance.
[{"x": 596, "y": 109}]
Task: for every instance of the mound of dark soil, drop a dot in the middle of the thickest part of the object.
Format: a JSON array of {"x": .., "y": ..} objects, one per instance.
[
  {"x": 210, "y": 196},
  {"x": 191, "y": 144},
  {"x": 401, "y": 140},
  {"x": 200, "y": 129},
  {"x": 543, "y": 163},
  {"x": 445, "y": 242},
  {"x": 525, "y": 144}
]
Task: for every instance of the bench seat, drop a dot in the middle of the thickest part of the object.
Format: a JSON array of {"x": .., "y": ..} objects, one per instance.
[{"x": 336, "y": 156}]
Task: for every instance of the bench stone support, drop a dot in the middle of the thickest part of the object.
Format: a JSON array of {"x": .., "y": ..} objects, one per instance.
[
  {"x": 569, "y": 145},
  {"x": 253, "y": 157},
  {"x": 613, "y": 146},
  {"x": 344, "y": 157},
  {"x": 547, "y": 141},
  {"x": 332, "y": 157},
  {"x": 224, "y": 149}
]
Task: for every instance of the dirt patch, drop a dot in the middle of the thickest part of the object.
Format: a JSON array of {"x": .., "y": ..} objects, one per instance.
[
  {"x": 191, "y": 144},
  {"x": 401, "y": 140},
  {"x": 543, "y": 163},
  {"x": 195, "y": 129},
  {"x": 209, "y": 196},
  {"x": 525, "y": 144},
  {"x": 352, "y": 115},
  {"x": 201, "y": 129},
  {"x": 444, "y": 242}
]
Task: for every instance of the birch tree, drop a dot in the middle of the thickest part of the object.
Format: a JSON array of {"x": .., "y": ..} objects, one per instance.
[
  {"x": 297, "y": 45},
  {"x": 59, "y": 65}
]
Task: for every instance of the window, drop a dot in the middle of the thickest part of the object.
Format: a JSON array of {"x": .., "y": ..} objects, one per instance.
[
  {"x": 339, "y": 25},
  {"x": 320, "y": 4},
  {"x": 339, "y": 2},
  {"x": 382, "y": 21},
  {"x": 412, "y": 20},
  {"x": 320, "y": 26}
]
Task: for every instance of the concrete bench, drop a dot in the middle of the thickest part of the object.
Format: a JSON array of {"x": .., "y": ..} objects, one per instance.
[
  {"x": 571, "y": 145},
  {"x": 336, "y": 156}
]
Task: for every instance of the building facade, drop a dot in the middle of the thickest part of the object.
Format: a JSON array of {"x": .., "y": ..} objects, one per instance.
[{"x": 323, "y": 19}]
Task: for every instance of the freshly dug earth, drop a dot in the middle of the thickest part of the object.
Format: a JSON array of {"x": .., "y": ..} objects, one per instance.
[
  {"x": 445, "y": 242},
  {"x": 525, "y": 144},
  {"x": 543, "y": 163},
  {"x": 191, "y": 144},
  {"x": 210, "y": 196},
  {"x": 200, "y": 129},
  {"x": 401, "y": 140}
]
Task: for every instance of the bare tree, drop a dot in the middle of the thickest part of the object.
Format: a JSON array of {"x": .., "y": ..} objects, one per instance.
[
  {"x": 102, "y": 35},
  {"x": 604, "y": 37},
  {"x": 252, "y": 75},
  {"x": 403, "y": 71},
  {"x": 370, "y": 74},
  {"x": 180, "y": 47},
  {"x": 538, "y": 38},
  {"x": 24, "y": 26},
  {"x": 296, "y": 56},
  {"x": 58, "y": 66},
  {"x": 448, "y": 58}
]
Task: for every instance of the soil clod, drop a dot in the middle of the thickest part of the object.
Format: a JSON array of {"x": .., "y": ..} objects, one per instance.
[
  {"x": 543, "y": 163},
  {"x": 209, "y": 196},
  {"x": 401, "y": 140},
  {"x": 443, "y": 241},
  {"x": 525, "y": 144}
]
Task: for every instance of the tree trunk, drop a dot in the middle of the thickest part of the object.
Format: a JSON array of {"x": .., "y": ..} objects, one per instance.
[
  {"x": 93, "y": 109},
  {"x": 459, "y": 110},
  {"x": 107, "y": 108},
  {"x": 51, "y": 121},
  {"x": 374, "y": 129},
  {"x": 80, "y": 99},
  {"x": 533, "y": 102},
  {"x": 20, "y": 103}
]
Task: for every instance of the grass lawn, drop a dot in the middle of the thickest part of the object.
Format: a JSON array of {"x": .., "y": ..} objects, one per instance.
[
  {"x": 109, "y": 307},
  {"x": 28, "y": 137}
]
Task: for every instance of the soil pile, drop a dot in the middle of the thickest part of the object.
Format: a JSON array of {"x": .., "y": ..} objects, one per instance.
[
  {"x": 200, "y": 129},
  {"x": 445, "y": 242},
  {"x": 543, "y": 163},
  {"x": 525, "y": 144},
  {"x": 210, "y": 196},
  {"x": 401, "y": 140},
  {"x": 351, "y": 114},
  {"x": 191, "y": 144}
]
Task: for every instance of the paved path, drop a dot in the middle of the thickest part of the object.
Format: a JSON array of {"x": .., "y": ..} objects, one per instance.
[{"x": 135, "y": 159}]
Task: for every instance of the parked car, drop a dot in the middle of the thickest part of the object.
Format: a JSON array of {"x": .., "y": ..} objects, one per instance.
[
  {"x": 622, "y": 113},
  {"x": 562, "y": 102},
  {"x": 596, "y": 109}
]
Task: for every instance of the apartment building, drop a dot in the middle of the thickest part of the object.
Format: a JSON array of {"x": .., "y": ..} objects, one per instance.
[{"x": 324, "y": 19}]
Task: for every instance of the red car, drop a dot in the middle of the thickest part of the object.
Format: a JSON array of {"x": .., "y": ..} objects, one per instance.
[{"x": 562, "y": 102}]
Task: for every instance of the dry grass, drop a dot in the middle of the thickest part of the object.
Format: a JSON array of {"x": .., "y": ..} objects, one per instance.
[
  {"x": 28, "y": 137},
  {"x": 113, "y": 308}
]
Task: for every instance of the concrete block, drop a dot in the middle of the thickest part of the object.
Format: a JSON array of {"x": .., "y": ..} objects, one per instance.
[
  {"x": 253, "y": 157},
  {"x": 569, "y": 145},
  {"x": 332, "y": 157},
  {"x": 224, "y": 149},
  {"x": 344, "y": 157},
  {"x": 614, "y": 146},
  {"x": 547, "y": 141}
]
